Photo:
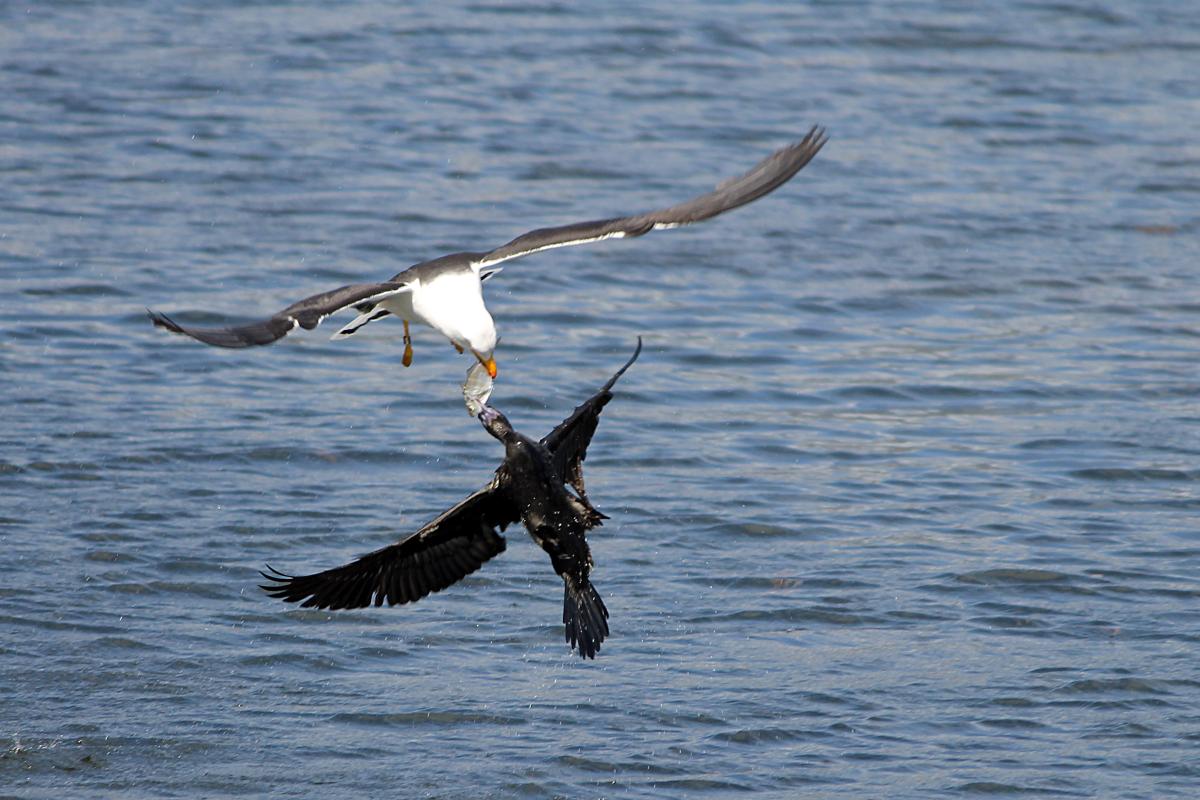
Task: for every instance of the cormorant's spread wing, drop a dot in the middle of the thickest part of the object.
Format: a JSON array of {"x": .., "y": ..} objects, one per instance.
[
  {"x": 569, "y": 440},
  {"x": 442, "y": 553},
  {"x": 766, "y": 176},
  {"x": 306, "y": 314}
]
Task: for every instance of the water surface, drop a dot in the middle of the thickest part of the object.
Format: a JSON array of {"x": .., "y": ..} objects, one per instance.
[{"x": 903, "y": 491}]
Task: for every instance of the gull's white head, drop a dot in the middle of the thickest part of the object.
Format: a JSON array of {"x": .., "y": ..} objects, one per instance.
[
  {"x": 483, "y": 346},
  {"x": 451, "y": 302}
]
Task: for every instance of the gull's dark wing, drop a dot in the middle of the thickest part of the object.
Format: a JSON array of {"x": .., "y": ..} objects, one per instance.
[
  {"x": 569, "y": 440},
  {"x": 442, "y": 553},
  {"x": 766, "y": 176},
  {"x": 306, "y": 314}
]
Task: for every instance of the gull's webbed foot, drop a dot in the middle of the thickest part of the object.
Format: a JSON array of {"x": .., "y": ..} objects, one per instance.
[{"x": 406, "y": 359}]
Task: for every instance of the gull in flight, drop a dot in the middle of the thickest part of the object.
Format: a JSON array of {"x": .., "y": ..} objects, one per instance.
[{"x": 447, "y": 293}]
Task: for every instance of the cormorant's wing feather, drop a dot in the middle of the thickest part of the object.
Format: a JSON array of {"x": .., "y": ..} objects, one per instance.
[
  {"x": 766, "y": 176},
  {"x": 569, "y": 440},
  {"x": 442, "y": 553},
  {"x": 306, "y": 314}
]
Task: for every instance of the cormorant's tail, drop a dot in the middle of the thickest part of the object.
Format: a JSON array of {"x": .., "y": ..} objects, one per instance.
[{"x": 584, "y": 615}]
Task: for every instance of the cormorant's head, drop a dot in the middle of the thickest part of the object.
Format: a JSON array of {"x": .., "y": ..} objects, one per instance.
[{"x": 495, "y": 423}]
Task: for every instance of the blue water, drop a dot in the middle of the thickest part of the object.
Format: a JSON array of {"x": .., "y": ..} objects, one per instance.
[{"x": 903, "y": 491}]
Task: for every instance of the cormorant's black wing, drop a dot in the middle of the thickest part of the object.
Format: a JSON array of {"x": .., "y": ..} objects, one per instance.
[
  {"x": 306, "y": 314},
  {"x": 569, "y": 440},
  {"x": 764, "y": 177},
  {"x": 442, "y": 553}
]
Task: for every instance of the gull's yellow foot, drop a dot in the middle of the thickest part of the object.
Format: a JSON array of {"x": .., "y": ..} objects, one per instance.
[{"x": 406, "y": 359}]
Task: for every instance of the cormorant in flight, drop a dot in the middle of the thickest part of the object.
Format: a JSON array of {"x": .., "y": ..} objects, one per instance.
[{"x": 529, "y": 487}]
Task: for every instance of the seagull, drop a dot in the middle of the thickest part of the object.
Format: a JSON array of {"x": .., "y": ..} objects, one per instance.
[
  {"x": 528, "y": 487},
  {"x": 447, "y": 293}
]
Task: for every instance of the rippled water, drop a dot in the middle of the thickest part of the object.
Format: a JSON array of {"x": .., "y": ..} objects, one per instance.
[{"x": 903, "y": 490}]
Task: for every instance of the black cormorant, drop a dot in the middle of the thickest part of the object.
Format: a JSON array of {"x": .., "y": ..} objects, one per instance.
[{"x": 529, "y": 487}]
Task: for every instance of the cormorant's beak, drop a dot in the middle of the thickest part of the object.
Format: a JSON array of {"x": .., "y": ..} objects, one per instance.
[{"x": 489, "y": 364}]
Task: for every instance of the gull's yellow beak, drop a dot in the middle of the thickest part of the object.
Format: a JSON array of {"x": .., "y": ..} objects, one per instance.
[{"x": 489, "y": 364}]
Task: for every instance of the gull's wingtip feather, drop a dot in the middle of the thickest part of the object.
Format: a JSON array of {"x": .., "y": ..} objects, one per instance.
[{"x": 161, "y": 320}]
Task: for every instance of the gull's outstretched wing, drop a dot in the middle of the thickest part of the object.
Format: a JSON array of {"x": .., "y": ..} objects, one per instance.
[
  {"x": 569, "y": 440},
  {"x": 766, "y": 176},
  {"x": 442, "y": 553},
  {"x": 306, "y": 314}
]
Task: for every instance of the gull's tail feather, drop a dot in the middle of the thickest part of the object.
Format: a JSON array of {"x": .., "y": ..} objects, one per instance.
[{"x": 371, "y": 314}]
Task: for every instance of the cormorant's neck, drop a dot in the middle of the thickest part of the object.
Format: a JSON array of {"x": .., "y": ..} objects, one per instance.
[{"x": 513, "y": 440}]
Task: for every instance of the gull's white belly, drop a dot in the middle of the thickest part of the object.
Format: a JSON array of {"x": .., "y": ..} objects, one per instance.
[{"x": 452, "y": 304}]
